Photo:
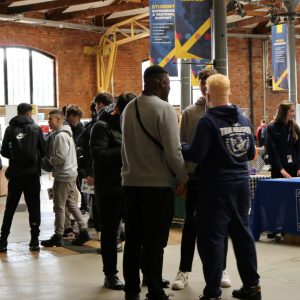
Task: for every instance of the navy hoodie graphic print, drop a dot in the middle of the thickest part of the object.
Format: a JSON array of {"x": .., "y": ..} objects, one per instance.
[{"x": 222, "y": 145}]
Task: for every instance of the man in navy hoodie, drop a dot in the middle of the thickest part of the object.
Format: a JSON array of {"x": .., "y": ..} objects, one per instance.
[{"x": 222, "y": 145}]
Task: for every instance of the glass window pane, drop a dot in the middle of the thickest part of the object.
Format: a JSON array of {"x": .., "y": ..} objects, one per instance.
[
  {"x": 43, "y": 79},
  {"x": 175, "y": 92},
  {"x": 196, "y": 94},
  {"x": 18, "y": 80},
  {"x": 2, "y": 93}
]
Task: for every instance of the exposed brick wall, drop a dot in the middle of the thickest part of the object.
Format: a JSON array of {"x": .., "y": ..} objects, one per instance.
[
  {"x": 238, "y": 65},
  {"x": 128, "y": 69},
  {"x": 76, "y": 72}
]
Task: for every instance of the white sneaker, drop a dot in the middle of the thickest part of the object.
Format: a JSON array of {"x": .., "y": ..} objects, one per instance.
[
  {"x": 225, "y": 281},
  {"x": 181, "y": 281}
]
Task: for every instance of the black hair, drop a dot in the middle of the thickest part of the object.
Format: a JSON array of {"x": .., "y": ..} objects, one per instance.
[
  {"x": 123, "y": 99},
  {"x": 24, "y": 108},
  {"x": 154, "y": 72},
  {"x": 73, "y": 110},
  {"x": 105, "y": 98},
  {"x": 205, "y": 73}
]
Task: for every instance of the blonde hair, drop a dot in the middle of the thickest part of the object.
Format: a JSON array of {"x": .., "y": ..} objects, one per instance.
[{"x": 218, "y": 85}]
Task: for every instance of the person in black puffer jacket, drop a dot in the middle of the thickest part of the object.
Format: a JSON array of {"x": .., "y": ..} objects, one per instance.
[
  {"x": 100, "y": 102},
  {"x": 105, "y": 144}
]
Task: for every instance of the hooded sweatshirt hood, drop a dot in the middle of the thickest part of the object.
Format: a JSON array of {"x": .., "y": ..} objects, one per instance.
[
  {"x": 228, "y": 113},
  {"x": 20, "y": 120},
  {"x": 65, "y": 128},
  {"x": 63, "y": 158},
  {"x": 223, "y": 143}
]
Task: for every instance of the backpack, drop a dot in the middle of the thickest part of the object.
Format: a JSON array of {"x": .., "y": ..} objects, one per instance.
[
  {"x": 24, "y": 144},
  {"x": 49, "y": 138}
]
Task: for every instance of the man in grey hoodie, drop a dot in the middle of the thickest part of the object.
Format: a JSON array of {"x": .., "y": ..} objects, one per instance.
[{"x": 64, "y": 161}]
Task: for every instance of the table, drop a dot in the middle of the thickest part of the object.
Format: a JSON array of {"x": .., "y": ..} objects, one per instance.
[
  {"x": 253, "y": 183},
  {"x": 179, "y": 214},
  {"x": 276, "y": 207}
]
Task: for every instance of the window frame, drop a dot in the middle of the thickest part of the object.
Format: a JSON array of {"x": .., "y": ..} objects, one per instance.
[{"x": 4, "y": 62}]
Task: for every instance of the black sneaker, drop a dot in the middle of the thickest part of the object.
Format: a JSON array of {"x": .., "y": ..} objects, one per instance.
[
  {"x": 56, "y": 240},
  {"x": 253, "y": 293},
  {"x": 69, "y": 234},
  {"x": 164, "y": 283},
  {"x": 82, "y": 237},
  {"x": 34, "y": 244},
  {"x": 3, "y": 246},
  {"x": 113, "y": 282},
  {"x": 164, "y": 297}
]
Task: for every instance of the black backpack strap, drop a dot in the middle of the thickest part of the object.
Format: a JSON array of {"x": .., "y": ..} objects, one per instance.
[{"x": 155, "y": 141}]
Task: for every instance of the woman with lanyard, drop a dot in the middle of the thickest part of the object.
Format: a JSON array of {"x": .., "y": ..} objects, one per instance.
[
  {"x": 283, "y": 143},
  {"x": 283, "y": 146}
]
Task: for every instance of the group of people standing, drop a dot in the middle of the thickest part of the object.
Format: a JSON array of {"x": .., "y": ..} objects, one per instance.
[{"x": 137, "y": 161}]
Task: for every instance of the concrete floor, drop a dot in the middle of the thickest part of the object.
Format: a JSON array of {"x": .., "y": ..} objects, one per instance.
[{"x": 61, "y": 273}]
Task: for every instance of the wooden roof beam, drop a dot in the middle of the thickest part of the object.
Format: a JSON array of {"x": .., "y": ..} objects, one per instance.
[
  {"x": 101, "y": 11},
  {"x": 247, "y": 22},
  {"x": 43, "y": 6}
]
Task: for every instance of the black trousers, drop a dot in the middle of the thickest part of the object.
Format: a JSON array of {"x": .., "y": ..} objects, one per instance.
[
  {"x": 188, "y": 239},
  {"x": 111, "y": 212},
  {"x": 96, "y": 205},
  {"x": 220, "y": 213},
  {"x": 149, "y": 212},
  {"x": 31, "y": 187}
]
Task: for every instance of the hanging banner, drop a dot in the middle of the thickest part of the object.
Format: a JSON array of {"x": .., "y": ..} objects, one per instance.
[
  {"x": 193, "y": 29},
  {"x": 162, "y": 35},
  {"x": 279, "y": 57},
  {"x": 196, "y": 67}
]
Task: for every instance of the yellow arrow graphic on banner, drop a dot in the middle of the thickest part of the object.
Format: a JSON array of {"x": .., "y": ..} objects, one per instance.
[
  {"x": 278, "y": 82},
  {"x": 188, "y": 44}
]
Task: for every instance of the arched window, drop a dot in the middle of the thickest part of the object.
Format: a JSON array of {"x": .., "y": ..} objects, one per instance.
[{"x": 26, "y": 75}]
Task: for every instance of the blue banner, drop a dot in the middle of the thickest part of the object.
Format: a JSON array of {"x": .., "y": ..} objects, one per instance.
[
  {"x": 279, "y": 57},
  {"x": 193, "y": 29},
  {"x": 162, "y": 35}
]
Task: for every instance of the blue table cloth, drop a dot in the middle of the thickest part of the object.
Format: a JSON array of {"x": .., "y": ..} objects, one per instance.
[{"x": 276, "y": 207}]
